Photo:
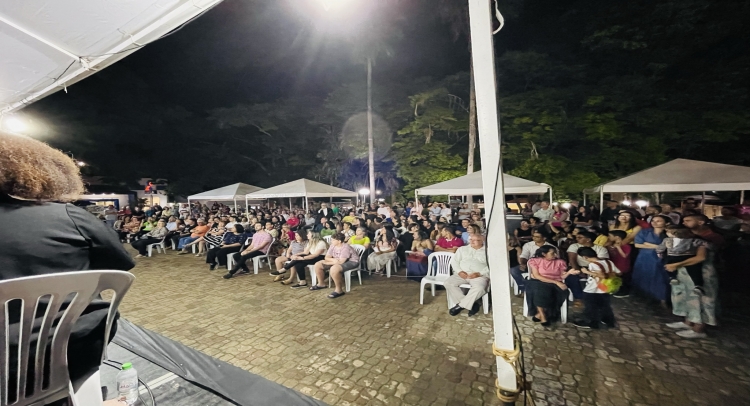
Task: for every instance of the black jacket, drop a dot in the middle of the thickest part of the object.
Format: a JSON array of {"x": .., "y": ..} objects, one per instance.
[{"x": 45, "y": 238}]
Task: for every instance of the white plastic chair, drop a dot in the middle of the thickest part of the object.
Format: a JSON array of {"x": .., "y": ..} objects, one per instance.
[
  {"x": 563, "y": 308},
  {"x": 438, "y": 270},
  {"x": 514, "y": 285},
  {"x": 53, "y": 289},
  {"x": 159, "y": 246},
  {"x": 230, "y": 257},
  {"x": 394, "y": 263},
  {"x": 327, "y": 239},
  {"x": 348, "y": 274},
  {"x": 257, "y": 260}
]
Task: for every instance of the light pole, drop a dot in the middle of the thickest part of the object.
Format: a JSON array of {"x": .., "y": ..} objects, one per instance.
[
  {"x": 328, "y": 5},
  {"x": 364, "y": 192}
]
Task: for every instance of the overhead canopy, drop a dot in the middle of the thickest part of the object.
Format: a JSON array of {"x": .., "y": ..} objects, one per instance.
[
  {"x": 231, "y": 192},
  {"x": 471, "y": 184},
  {"x": 302, "y": 188},
  {"x": 47, "y": 45},
  {"x": 681, "y": 175}
]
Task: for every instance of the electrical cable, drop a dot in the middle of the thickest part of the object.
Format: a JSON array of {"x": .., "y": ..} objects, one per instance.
[{"x": 118, "y": 365}]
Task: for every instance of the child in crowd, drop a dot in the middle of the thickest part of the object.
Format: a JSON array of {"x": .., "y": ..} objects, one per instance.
[
  {"x": 680, "y": 245},
  {"x": 620, "y": 254},
  {"x": 597, "y": 301}
]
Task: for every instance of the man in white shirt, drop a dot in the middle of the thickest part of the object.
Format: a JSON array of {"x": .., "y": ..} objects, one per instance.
[
  {"x": 527, "y": 252},
  {"x": 469, "y": 265},
  {"x": 435, "y": 209},
  {"x": 583, "y": 239},
  {"x": 464, "y": 212},
  {"x": 384, "y": 210},
  {"x": 545, "y": 213}
]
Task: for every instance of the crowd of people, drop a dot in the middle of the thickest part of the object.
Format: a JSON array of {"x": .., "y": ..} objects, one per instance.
[{"x": 663, "y": 253}]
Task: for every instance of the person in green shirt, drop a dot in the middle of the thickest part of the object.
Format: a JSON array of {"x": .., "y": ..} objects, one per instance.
[
  {"x": 334, "y": 209},
  {"x": 328, "y": 229}
]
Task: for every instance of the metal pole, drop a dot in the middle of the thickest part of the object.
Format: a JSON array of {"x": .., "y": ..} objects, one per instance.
[
  {"x": 703, "y": 203},
  {"x": 584, "y": 199},
  {"x": 601, "y": 199},
  {"x": 742, "y": 196},
  {"x": 370, "y": 142},
  {"x": 483, "y": 58},
  {"x": 247, "y": 206}
]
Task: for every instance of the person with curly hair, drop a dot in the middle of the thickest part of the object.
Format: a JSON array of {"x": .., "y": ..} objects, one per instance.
[{"x": 36, "y": 182}]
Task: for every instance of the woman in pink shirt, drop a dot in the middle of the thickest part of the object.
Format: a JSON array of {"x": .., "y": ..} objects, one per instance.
[{"x": 546, "y": 291}]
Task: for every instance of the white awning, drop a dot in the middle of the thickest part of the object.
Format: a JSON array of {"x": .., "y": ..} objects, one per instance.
[
  {"x": 236, "y": 191},
  {"x": 48, "y": 45},
  {"x": 471, "y": 184},
  {"x": 302, "y": 188},
  {"x": 681, "y": 175}
]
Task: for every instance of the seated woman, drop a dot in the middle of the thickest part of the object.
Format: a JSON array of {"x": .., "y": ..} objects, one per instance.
[
  {"x": 341, "y": 257},
  {"x": 314, "y": 252},
  {"x": 583, "y": 218},
  {"x": 383, "y": 252},
  {"x": 470, "y": 230},
  {"x": 231, "y": 242},
  {"x": 130, "y": 228},
  {"x": 360, "y": 238},
  {"x": 213, "y": 238},
  {"x": 421, "y": 248},
  {"x": 522, "y": 233},
  {"x": 152, "y": 237},
  {"x": 328, "y": 229},
  {"x": 346, "y": 229},
  {"x": 148, "y": 224},
  {"x": 560, "y": 214},
  {"x": 296, "y": 247},
  {"x": 120, "y": 227},
  {"x": 545, "y": 290}
]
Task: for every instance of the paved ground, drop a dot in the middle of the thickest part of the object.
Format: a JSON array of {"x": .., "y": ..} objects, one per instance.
[{"x": 378, "y": 346}]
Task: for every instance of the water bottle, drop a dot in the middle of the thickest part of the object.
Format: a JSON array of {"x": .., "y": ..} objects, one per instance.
[{"x": 127, "y": 384}]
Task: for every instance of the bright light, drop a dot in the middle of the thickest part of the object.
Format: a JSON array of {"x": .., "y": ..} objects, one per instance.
[
  {"x": 15, "y": 124},
  {"x": 641, "y": 203},
  {"x": 554, "y": 203},
  {"x": 566, "y": 205},
  {"x": 329, "y": 4},
  {"x": 364, "y": 191},
  {"x": 378, "y": 192},
  {"x": 626, "y": 202},
  {"x": 81, "y": 163}
]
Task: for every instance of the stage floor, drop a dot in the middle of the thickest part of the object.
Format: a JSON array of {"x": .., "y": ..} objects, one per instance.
[{"x": 377, "y": 345}]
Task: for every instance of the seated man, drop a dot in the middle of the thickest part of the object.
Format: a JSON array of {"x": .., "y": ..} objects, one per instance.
[
  {"x": 527, "y": 252},
  {"x": 341, "y": 257},
  {"x": 199, "y": 231},
  {"x": 185, "y": 232},
  {"x": 260, "y": 246},
  {"x": 469, "y": 266},
  {"x": 448, "y": 242}
]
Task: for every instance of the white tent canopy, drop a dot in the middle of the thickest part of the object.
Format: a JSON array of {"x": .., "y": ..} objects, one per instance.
[
  {"x": 236, "y": 191},
  {"x": 681, "y": 175},
  {"x": 48, "y": 45},
  {"x": 471, "y": 184},
  {"x": 301, "y": 188}
]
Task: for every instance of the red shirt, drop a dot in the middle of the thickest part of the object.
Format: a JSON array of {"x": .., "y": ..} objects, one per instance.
[
  {"x": 293, "y": 222},
  {"x": 715, "y": 239},
  {"x": 453, "y": 243},
  {"x": 623, "y": 264}
]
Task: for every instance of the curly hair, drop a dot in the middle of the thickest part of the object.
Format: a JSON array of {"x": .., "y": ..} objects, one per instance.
[{"x": 32, "y": 170}]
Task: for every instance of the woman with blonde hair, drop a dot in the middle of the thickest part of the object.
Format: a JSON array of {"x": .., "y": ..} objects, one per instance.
[
  {"x": 314, "y": 251},
  {"x": 36, "y": 181}
]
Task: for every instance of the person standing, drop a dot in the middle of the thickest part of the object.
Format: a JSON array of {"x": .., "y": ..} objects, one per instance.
[
  {"x": 649, "y": 276},
  {"x": 544, "y": 213},
  {"x": 110, "y": 216},
  {"x": 469, "y": 265}
]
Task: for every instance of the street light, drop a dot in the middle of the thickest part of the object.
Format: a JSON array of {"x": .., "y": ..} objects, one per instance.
[
  {"x": 626, "y": 202},
  {"x": 81, "y": 163},
  {"x": 641, "y": 203},
  {"x": 15, "y": 124},
  {"x": 364, "y": 192}
]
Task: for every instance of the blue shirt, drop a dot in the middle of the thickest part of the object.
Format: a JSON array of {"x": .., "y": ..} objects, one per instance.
[{"x": 232, "y": 238}]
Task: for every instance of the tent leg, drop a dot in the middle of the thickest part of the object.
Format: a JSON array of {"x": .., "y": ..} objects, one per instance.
[
  {"x": 307, "y": 208},
  {"x": 742, "y": 196},
  {"x": 290, "y": 204},
  {"x": 247, "y": 207},
  {"x": 601, "y": 199},
  {"x": 703, "y": 203}
]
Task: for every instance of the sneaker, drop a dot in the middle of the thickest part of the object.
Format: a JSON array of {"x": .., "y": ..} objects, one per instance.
[
  {"x": 678, "y": 325},
  {"x": 691, "y": 334},
  {"x": 674, "y": 282},
  {"x": 212, "y": 267},
  {"x": 581, "y": 324},
  {"x": 299, "y": 286},
  {"x": 228, "y": 276}
]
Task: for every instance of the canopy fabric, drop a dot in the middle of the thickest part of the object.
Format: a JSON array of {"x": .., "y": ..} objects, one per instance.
[
  {"x": 302, "y": 188},
  {"x": 48, "y": 45},
  {"x": 681, "y": 175},
  {"x": 230, "y": 192},
  {"x": 471, "y": 184}
]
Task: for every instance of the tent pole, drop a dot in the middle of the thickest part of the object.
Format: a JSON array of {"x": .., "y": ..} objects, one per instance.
[
  {"x": 290, "y": 204},
  {"x": 483, "y": 59},
  {"x": 584, "y": 199},
  {"x": 601, "y": 199},
  {"x": 703, "y": 203},
  {"x": 247, "y": 208},
  {"x": 742, "y": 196},
  {"x": 307, "y": 208}
]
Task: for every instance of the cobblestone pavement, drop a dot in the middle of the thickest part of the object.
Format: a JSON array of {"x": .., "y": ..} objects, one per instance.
[{"x": 378, "y": 346}]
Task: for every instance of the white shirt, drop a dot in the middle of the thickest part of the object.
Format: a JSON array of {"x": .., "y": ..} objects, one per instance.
[
  {"x": 446, "y": 212},
  {"x": 436, "y": 210},
  {"x": 529, "y": 249},
  {"x": 230, "y": 224},
  {"x": 385, "y": 211},
  {"x": 601, "y": 253},
  {"x": 470, "y": 260},
  {"x": 171, "y": 226},
  {"x": 544, "y": 215},
  {"x": 592, "y": 284},
  {"x": 464, "y": 214}
]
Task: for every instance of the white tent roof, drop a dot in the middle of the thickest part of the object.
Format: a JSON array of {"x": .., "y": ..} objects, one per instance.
[
  {"x": 302, "y": 188},
  {"x": 471, "y": 184},
  {"x": 47, "y": 45},
  {"x": 231, "y": 192},
  {"x": 681, "y": 175}
]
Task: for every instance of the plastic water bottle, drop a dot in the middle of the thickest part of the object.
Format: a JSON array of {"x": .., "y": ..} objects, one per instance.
[{"x": 127, "y": 383}]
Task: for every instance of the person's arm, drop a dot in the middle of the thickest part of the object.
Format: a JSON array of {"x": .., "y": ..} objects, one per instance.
[
  {"x": 699, "y": 257},
  {"x": 620, "y": 251},
  {"x": 539, "y": 277},
  {"x": 573, "y": 260},
  {"x": 105, "y": 249},
  {"x": 456, "y": 265},
  {"x": 631, "y": 237}
]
